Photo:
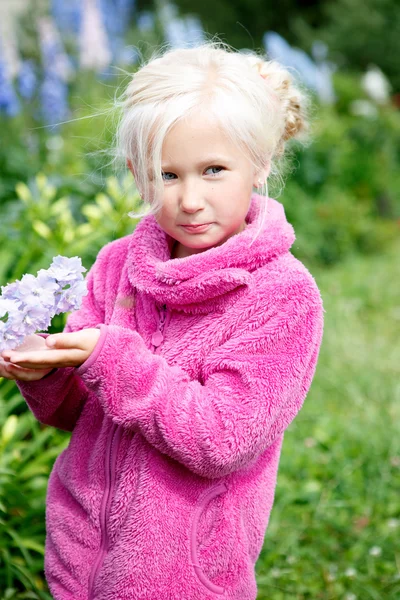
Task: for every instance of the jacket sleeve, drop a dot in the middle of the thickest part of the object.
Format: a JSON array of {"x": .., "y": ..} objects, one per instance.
[
  {"x": 58, "y": 398},
  {"x": 251, "y": 387}
]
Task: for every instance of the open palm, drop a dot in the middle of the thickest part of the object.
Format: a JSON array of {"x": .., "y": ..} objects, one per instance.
[{"x": 10, "y": 371}]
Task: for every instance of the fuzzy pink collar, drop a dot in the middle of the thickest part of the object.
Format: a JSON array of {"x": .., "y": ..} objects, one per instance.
[{"x": 206, "y": 276}]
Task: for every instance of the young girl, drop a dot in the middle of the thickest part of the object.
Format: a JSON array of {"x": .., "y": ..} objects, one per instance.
[{"x": 192, "y": 352}]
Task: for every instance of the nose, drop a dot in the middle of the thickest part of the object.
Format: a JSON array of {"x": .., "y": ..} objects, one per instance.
[{"x": 190, "y": 196}]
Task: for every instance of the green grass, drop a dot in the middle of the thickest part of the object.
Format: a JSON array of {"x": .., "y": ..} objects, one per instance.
[{"x": 335, "y": 526}]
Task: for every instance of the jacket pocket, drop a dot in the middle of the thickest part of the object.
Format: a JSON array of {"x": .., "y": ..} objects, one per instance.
[{"x": 202, "y": 534}]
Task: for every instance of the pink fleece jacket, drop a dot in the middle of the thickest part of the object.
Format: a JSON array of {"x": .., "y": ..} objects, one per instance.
[{"x": 178, "y": 416}]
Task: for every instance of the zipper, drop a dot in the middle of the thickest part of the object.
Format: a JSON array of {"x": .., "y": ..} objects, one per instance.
[
  {"x": 111, "y": 457},
  {"x": 157, "y": 338}
]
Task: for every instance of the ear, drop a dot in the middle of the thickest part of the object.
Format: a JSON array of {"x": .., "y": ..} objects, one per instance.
[
  {"x": 261, "y": 176},
  {"x": 132, "y": 170},
  {"x": 130, "y": 166}
]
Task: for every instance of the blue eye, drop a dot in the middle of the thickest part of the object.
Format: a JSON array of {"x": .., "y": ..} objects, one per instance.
[
  {"x": 215, "y": 167},
  {"x": 167, "y": 173},
  {"x": 163, "y": 174}
]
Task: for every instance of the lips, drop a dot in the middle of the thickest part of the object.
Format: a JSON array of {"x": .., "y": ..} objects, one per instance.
[{"x": 197, "y": 228}]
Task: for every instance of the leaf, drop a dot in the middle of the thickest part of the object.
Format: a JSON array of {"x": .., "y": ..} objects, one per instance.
[
  {"x": 23, "y": 192},
  {"x": 104, "y": 203},
  {"x": 33, "y": 469},
  {"x": 49, "y": 192},
  {"x": 9, "y": 428},
  {"x": 18, "y": 543},
  {"x": 41, "y": 181},
  {"x": 60, "y": 206},
  {"x": 113, "y": 188},
  {"x": 32, "y": 545},
  {"x": 69, "y": 235},
  {"x": 92, "y": 212},
  {"x": 42, "y": 229},
  {"x": 83, "y": 230}
]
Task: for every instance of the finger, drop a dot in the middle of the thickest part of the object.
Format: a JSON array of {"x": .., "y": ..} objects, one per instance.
[
  {"x": 28, "y": 359},
  {"x": 5, "y": 372},
  {"x": 21, "y": 374},
  {"x": 10, "y": 371},
  {"x": 48, "y": 359},
  {"x": 12, "y": 368},
  {"x": 72, "y": 339}
]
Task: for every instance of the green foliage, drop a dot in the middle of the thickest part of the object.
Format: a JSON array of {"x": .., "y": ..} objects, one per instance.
[
  {"x": 363, "y": 32},
  {"x": 358, "y": 32},
  {"x": 243, "y": 24},
  {"x": 40, "y": 223},
  {"x": 344, "y": 194},
  {"x": 79, "y": 148},
  {"x": 334, "y": 528},
  {"x": 27, "y": 452}
]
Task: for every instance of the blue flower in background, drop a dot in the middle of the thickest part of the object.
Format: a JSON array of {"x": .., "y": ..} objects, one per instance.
[
  {"x": 9, "y": 103},
  {"x": 278, "y": 49},
  {"x": 145, "y": 21},
  {"x": 180, "y": 32},
  {"x": 54, "y": 58},
  {"x": 129, "y": 55},
  {"x": 54, "y": 100},
  {"x": 316, "y": 75},
  {"x": 116, "y": 17},
  {"x": 67, "y": 14},
  {"x": 183, "y": 32},
  {"x": 194, "y": 30},
  {"x": 27, "y": 79},
  {"x": 57, "y": 70},
  {"x": 175, "y": 33}
]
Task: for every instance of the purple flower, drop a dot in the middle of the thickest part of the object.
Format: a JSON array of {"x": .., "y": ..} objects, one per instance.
[
  {"x": 6, "y": 306},
  {"x": 71, "y": 297},
  {"x": 36, "y": 317},
  {"x": 31, "y": 303},
  {"x": 8, "y": 338},
  {"x": 31, "y": 292},
  {"x": 66, "y": 269}
]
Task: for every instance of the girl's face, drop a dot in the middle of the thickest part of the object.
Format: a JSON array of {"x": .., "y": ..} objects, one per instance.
[{"x": 206, "y": 180}]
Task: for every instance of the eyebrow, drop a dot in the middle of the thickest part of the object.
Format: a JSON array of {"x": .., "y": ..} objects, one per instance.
[{"x": 206, "y": 161}]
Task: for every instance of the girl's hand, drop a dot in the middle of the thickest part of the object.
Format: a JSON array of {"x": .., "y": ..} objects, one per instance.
[
  {"x": 69, "y": 350},
  {"x": 10, "y": 371}
]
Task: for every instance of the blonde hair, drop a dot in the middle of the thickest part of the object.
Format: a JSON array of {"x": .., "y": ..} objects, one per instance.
[{"x": 254, "y": 100}]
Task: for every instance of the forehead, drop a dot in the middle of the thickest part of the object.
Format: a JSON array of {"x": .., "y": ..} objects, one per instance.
[{"x": 196, "y": 140}]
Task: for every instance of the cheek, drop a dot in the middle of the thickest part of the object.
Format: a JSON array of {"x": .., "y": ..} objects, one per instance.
[{"x": 167, "y": 213}]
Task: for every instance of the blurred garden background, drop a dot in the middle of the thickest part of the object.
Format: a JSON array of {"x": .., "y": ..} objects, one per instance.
[{"x": 335, "y": 526}]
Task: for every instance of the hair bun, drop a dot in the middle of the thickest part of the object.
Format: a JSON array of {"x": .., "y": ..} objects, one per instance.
[{"x": 294, "y": 101}]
